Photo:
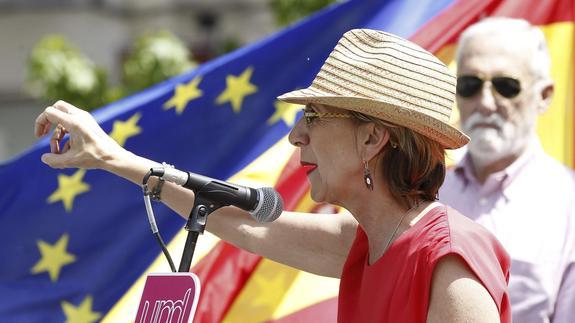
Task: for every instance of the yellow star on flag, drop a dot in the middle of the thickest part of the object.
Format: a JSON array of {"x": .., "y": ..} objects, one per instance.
[
  {"x": 122, "y": 130},
  {"x": 68, "y": 188},
  {"x": 184, "y": 93},
  {"x": 237, "y": 87},
  {"x": 80, "y": 314},
  {"x": 286, "y": 112},
  {"x": 54, "y": 257}
]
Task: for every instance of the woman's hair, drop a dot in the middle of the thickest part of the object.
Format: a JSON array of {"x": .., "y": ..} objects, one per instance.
[{"x": 413, "y": 165}]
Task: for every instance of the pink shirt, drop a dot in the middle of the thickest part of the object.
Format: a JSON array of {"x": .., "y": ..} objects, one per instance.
[
  {"x": 530, "y": 207},
  {"x": 396, "y": 288}
]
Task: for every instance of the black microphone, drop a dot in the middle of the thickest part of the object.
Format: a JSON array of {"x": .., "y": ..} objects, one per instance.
[{"x": 264, "y": 204}]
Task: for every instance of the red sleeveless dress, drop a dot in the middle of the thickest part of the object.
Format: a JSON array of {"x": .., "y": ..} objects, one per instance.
[{"x": 397, "y": 287}]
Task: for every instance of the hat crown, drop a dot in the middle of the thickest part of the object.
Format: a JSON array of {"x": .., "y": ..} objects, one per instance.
[
  {"x": 388, "y": 77},
  {"x": 378, "y": 65}
]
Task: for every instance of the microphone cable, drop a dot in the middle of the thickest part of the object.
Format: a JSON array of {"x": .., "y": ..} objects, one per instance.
[{"x": 152, "y": 220}]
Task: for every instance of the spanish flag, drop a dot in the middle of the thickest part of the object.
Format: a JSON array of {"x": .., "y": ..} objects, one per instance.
[{"x": 76, "y": 244}]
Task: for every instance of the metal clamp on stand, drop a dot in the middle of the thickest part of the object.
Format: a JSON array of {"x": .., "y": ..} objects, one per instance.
[{"x": 195, "y": 226}]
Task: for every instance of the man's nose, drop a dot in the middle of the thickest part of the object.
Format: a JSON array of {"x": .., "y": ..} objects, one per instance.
[{"x": 487, "y": 103}]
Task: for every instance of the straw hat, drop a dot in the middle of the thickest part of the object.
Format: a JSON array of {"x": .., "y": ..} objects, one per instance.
[{"x": 390, "y": 78}]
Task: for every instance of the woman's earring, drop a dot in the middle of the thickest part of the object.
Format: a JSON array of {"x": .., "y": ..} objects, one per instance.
[{"x": 367, "y": 176}]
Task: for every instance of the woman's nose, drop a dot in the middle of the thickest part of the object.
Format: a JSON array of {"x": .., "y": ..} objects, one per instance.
[{"x": 298, "y": 136}]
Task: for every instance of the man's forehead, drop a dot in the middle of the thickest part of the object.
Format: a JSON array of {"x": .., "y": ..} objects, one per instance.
[
  {"x": 496, "y": 52},
  {"x": 507, "y": 40}
]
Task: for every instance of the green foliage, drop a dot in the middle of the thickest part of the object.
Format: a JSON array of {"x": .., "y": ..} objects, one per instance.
[
  {"x": 288, "y": 11},
  {"x": 229, "y": 45},
  {"x": 57, "y": 70},
  {"x": 156, "y": 56}
]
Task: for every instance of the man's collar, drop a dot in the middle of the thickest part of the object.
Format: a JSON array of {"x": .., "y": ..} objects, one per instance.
[
  {"x": 518, "y": 167},
  {"x": 464, "y": 169}
]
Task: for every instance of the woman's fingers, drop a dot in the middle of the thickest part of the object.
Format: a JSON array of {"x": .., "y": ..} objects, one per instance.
[
  {"x": 49, "y": 117},
  {"x": 56, "y": 139},
  {"x": 57, "y": 116},
  {"x": 60, "y": 112},
  {"x": 66, "y": 107},
  {"x": 42, "y": 125},
  {"x": 86, "y": 145},
  {"x": 67, "y": 147},
  {"x": 56, "y": 160}
]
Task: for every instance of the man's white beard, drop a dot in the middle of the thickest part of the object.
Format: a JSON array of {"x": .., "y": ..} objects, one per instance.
[
  {"x": 491, "y": 144},
  {"x": 487, "y": 144}
]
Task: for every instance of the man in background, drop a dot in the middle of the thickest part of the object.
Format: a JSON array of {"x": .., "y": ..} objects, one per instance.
[{"x": 506, "y": 181}]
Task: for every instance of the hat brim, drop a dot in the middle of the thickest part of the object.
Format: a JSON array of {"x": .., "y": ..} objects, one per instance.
[{"x": 445, "y": 134}]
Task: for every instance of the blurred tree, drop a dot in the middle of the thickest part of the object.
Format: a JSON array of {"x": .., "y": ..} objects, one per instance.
[
  {"x": 57, "y": 70},
  {"x": 288, "y": 11},
  {"x": 156, "y": 56},
  {"x": 229, "y": 45}
]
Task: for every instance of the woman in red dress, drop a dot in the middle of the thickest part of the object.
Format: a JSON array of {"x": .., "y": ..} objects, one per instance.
[{"x": 372, "y": 138}]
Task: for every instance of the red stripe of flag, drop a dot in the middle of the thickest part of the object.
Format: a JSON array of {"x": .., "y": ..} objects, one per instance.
[
  {"x": 445, "y": 28},
  {"x": 227, "y": 269}
]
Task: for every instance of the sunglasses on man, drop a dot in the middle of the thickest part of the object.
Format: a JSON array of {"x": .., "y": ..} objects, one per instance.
[{"x": 469, "y": 85}]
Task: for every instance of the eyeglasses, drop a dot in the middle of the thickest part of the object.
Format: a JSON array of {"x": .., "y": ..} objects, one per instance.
[
  {"x": 310, "y": 116},
  {"x": 470, "y": 85}
]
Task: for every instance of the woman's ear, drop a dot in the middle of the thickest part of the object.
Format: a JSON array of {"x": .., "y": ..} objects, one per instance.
[{"x": 372, "y": 138}]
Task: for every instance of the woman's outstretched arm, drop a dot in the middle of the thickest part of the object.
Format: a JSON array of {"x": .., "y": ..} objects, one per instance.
[{"x": 316, "y": 243}]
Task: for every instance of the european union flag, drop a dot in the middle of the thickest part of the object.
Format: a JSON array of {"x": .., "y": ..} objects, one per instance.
[{"x": 73, "y": 241}]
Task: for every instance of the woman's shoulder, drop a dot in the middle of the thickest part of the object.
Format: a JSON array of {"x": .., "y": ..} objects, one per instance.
[
  {"x": 428, "y": 236},
  {"x": 466, "y": 233},
  {"x": 480, "y": 250},
  {"x": 443, "y": 230},
  {"x": 474, "y": 249},
  {"x": 431, "y": 227}
]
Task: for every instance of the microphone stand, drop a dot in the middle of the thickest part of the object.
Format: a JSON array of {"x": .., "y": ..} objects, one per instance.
[{"x": 195, "y": 226}]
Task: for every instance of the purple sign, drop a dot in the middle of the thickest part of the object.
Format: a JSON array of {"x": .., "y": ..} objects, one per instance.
[{"x": 169, "y": 298}]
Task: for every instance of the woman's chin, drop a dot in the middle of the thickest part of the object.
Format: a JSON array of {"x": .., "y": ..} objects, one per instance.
[{"x": 316, "y": 196}]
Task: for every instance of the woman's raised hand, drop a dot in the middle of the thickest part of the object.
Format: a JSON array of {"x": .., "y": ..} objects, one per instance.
[{"x": 88, "y": 145}]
